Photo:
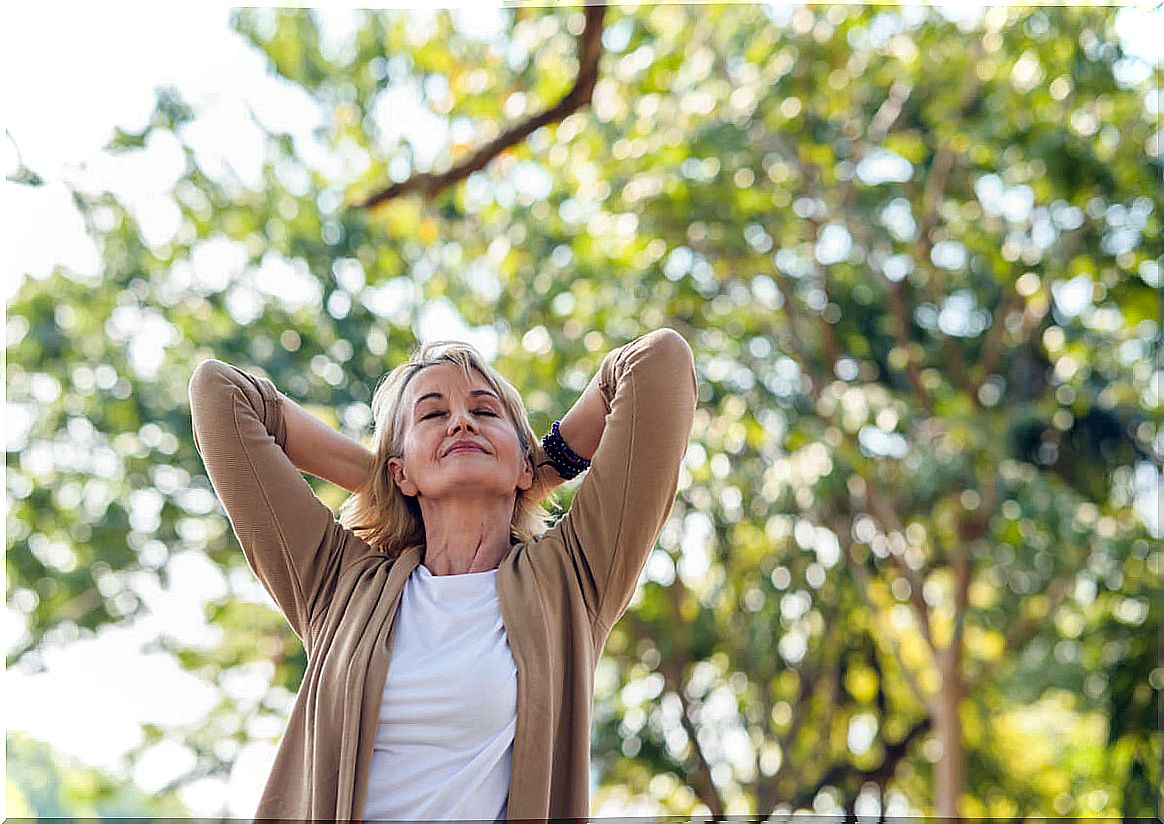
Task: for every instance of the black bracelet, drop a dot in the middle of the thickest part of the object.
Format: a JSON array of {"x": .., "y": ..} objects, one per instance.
[{"x": 566, "y": 461}]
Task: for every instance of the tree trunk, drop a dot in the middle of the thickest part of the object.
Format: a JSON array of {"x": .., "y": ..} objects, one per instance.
[{"x": 950, "y": 773}]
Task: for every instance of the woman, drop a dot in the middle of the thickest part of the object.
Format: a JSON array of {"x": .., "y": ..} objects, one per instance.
[{"x": 479, "y": 707}]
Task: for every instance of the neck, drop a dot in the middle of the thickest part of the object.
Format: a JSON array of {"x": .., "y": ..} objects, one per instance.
[{"x": 463, "y": 536}]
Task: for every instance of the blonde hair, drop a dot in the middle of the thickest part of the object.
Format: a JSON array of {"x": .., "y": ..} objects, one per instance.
[{"x": 382, "y": 515}]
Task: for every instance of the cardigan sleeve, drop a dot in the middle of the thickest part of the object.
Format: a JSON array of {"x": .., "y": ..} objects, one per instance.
[
  {"x": 290, "y": 538},
  {"x": 649, "y": 386}
]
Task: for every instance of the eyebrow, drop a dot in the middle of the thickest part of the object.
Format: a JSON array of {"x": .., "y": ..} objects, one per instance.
[{"x": 474, "y": 393}]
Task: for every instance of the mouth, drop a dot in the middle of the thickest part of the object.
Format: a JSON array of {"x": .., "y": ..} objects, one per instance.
[{"x": 464, "y": 449}]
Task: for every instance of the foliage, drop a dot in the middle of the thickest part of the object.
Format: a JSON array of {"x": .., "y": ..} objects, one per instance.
[
  {"x": 917, "y": 260},
  {"x": 41, "y": 783}
]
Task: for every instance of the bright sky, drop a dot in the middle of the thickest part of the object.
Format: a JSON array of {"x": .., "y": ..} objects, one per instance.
[{"x": 100, "y": 71}]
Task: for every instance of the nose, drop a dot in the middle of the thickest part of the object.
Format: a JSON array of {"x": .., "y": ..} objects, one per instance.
[{"x": 461, "y": 420}]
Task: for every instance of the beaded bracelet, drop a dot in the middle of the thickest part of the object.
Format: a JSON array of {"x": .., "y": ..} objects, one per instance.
[{"x": 565, "y": 460}]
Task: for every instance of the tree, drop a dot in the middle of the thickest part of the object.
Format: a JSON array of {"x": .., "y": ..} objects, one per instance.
[
  {"x": 915, "y": 258},
  {"x": 42, "y": 783}
]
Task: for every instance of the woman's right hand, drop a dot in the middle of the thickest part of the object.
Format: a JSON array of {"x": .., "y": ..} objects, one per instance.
[{"x": 316, "y": 448}]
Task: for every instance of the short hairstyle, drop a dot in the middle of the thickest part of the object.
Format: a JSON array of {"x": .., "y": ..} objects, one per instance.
[{"x": 383, "y": 516}]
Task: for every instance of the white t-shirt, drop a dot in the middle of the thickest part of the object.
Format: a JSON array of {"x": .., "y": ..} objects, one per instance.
[{"x": 444, "y": 744}]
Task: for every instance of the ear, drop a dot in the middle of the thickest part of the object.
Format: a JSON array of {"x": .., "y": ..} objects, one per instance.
[
  {"x": 396, "y": 470},
  {"x": 526, "y": 479}
]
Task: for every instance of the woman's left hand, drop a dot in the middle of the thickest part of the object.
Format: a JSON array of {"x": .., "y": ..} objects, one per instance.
[{"x": 546, "y": 478}]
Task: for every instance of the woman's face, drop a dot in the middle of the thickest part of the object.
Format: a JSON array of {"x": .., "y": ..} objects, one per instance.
[{"x": 441, "y": 407}]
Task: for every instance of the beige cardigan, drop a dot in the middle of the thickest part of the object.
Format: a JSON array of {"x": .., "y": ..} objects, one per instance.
[{"x": 559, "y": 596}]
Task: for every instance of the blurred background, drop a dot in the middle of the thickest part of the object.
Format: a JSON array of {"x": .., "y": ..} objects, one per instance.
[{"x": 912, "y": 567}]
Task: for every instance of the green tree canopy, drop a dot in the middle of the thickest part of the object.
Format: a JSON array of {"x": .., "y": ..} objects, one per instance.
[{"x": 917, "y": 258}]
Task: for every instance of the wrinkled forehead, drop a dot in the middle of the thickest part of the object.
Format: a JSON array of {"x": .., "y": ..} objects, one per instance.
[{"x": 447, "y": 379}]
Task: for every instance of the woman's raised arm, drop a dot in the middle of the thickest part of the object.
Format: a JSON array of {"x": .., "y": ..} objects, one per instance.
[
  {"x": 290, "y": 539},
  {"x": 648, "y": 392},
  {"x": 316, "y": 448}
]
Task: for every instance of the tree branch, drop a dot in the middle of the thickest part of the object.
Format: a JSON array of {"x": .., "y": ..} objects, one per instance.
[
  {"x": 830, "y": 705},
  {"x": 895, "y": 294},
  {"x": 589, "y": 51},
  {"x": 827, "y": 665},
  {"x": 961, "y": 567},
  {"x": 879, "y": 775},
  {"x": 796, "y": 342},
  {"x": 672, "y": 669},
  {"x": 932, "y": 196},
  {"x": 894, "y": 290},
  {"x": 828, "y": 335},
  {"x": 992, "y": 346},
  {"x": 884, "y": 512},
  {"x": 888, "y": 113},
  {"x": 885, "y": 120},
  {"x": 970, "y": 529},
  {"x": 1022, "y": 631},
  {"x": 863, "y": 583}
]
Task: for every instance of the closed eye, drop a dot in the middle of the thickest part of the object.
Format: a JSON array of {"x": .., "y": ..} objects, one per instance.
[{"x": 479, "y": 412}]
